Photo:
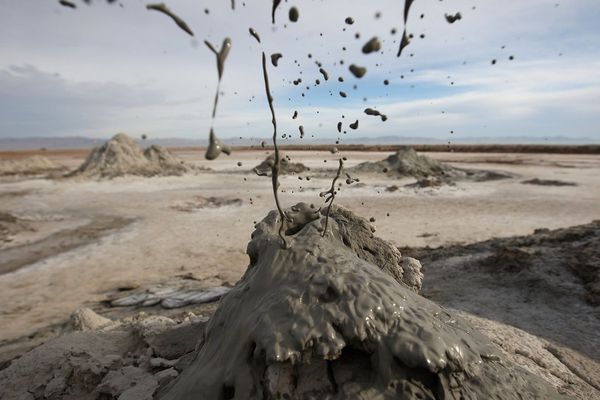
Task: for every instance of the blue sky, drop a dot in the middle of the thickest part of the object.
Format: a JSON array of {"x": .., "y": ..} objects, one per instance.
[{"x": 101, "y": 69}]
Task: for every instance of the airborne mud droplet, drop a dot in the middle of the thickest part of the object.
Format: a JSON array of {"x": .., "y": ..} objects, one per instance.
[
  {"x": 254, "y": 34},
  {"x": 405, "y": 40},
  {"x": 295, "y": 114},
  {"x": 274, "y": 8},
  {"x": 343, "y": 94},
  {"x": 215, "y": 147},
  {"x": 339, "y": 127},
  {"x": 324, "y": 73},
  {"x": 67, "y": 3},
  {"x": 349, "y": 20},
  {"x": 371, "y": 111},
  {"x": 371, "y": 46},
  {"x": 354, "y": 125},
  {"x": 161, "y": 7},
  {"x": 275, "y": 58},
  {"x": 301, "y": 129},
  {"x": 453, "y": 18},
  {"x": 357, "y": 71},
  {"x": 294, "y": 14}
]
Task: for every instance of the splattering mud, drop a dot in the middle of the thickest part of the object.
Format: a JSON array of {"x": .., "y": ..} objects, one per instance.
[{"x": 161, "y": 7}]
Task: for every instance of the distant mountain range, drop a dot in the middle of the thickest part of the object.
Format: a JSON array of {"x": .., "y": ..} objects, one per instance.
[{"x": 33, "y": 143}]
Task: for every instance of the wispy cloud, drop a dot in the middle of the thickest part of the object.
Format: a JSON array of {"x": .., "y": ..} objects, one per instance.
[{"x": 102, "y": 69}]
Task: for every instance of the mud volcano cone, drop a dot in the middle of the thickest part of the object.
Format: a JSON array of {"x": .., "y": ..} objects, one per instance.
[
  {"x": 121, "y": 155},
  {"x": 286, "y": 166},
  {"x": 339, "y": 317},
  {"x": 406, "y": 162}
]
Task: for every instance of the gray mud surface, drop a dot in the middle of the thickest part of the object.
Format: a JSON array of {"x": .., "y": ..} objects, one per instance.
[
  {"x": 547, "y": 283},
  {"x": 322, "y": 320}
]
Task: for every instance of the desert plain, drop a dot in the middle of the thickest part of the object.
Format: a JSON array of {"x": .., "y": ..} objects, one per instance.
[{"x": 82, "y": 242}]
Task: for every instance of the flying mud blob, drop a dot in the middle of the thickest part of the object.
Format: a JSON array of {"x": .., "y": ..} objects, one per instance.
[
  {"x": 453, "y": 18},
  {"x": 301, "y": 129},
  {"x": 67, "y": 3},
  {"x": 349, "y": 21},
  {"x": 161, "y": 7},
  {"x": 354, "y": 125},
  {"x": 324, "y": 73},
  {"x": 215, "y": 147},
  {"x": 254, "y": 34},
  {"x": 372, "y": 46},
  {"x": 339, "y": 127},
  {"x": 371, "y": 111},
  {"x": 357, "y": 71},
  {"x": 405, "y": 40},
  {"x": 294, "y": 14},
  {"x": 295, "y": 114},
  {"x": 343, "y": 94},
  {"x": 275, "y": 58},
  {"x": 274, "y": 8}
]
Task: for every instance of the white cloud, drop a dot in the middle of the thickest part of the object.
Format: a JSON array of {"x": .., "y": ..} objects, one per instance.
[{"x": 134, "y": 70}]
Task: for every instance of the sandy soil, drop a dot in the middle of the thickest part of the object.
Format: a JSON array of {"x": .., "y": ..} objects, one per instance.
[{"x": 159, "y": 241}]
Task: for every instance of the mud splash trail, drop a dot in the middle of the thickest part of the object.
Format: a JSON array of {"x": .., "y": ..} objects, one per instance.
[
  {"x": 215, "y": 147},
  {"x": 277, "y": 161},
  {"x": 14, "y": 258},
  {"x": 405, "y": 40}
]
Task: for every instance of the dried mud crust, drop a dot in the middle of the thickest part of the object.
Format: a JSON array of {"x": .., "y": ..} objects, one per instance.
[
  {"x": 15, "y": 257},
  {"x": 322, "y": 320}
]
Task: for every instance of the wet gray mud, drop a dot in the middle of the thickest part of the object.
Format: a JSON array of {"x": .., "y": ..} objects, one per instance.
[
  {"x": 161, "y": 7},
  {"x": 324, "y": 319},
  {"x": 546, "y": 283},
  {"x": 215, "y": 147},
  {"x": 407, "y": 163}
]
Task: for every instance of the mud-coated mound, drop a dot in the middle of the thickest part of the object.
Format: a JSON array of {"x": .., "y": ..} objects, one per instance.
[
  {"x": 286, "y": 166},
  {"x": 35, "y": 165},
  {"x": 407, "y": 163},
  {"x": 323, "y": 319},
  {"x": 121, "y": 156}
]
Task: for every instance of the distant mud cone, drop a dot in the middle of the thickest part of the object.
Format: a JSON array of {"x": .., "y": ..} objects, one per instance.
[
  {"x": 122, "y": 156},
  {"x": 407, "y": 163},
  {"x": 286, "y": 166}
]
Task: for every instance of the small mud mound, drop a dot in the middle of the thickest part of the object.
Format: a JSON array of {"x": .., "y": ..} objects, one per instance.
[
  {"x": 36, "y": 165},
  {"x": 286, "y": 167},
  {"x": 429, "y": 172},
  {"x": 200, "y": 202},
  {"x": 548, "y": 182},
  {"x": 339, "y": 317},
  {"x": 121, "y": 156}
]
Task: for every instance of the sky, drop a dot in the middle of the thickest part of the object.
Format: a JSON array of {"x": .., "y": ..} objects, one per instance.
[{"x": 100, "y": 69}]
